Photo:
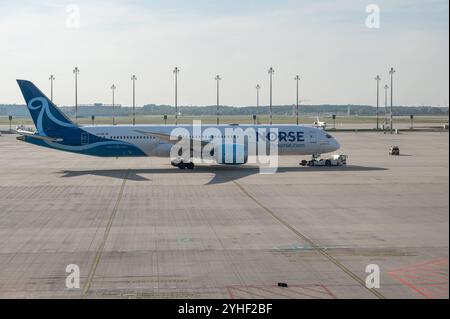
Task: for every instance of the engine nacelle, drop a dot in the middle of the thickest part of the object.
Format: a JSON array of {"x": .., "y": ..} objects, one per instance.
[{"x": 232, "y": 154}]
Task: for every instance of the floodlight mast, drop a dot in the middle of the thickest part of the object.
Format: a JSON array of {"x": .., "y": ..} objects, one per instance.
[
  {"x": 258, "y": 87},
  {"x": 271, "y": 72},
  {"x": 217, "y": 78},
  {"x": 297, "y": 79},
  {"x": 391, "y": 73},
  {"x": 134, "y": 78},
  {"x": 175, "y": 72},
  {"x": 378, "y": 78},
  {"x": 386, "y": 88},
  {"x": 113, "y": 88},
  {"x": 76, "y": 71},
  {"x": 51, "y": 78}
]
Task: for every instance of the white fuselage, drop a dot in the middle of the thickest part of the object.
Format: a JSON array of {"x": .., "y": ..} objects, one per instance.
[{"x": 292, "y": 139}]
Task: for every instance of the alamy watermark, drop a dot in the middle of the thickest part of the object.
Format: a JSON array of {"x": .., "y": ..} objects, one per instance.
[
  {"x": 373, "y": 279},
  {"x": 227, "y": 145},
  {"x": 373, "y": 19},
  {"x": 73, "y": 16},
  {"x": 73, "y": 277}
]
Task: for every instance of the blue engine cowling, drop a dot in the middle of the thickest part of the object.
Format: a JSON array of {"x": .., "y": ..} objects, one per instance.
[{"x": 233, "y": 154}]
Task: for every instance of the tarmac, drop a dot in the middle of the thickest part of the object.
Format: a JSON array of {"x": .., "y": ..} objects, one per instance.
[{"x": 140, "y": 228}]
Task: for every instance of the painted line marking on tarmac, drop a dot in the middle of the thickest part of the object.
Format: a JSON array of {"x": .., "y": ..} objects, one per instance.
[
  {"x": 98, "y": 256},
  {"x": 311, "y": 242}
]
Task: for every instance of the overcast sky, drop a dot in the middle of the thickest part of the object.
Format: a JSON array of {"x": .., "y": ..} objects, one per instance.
[{"x": 326, "y": 42}]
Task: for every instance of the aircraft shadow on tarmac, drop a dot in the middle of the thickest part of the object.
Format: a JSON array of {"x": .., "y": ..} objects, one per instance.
[{"x": 222, "y": 174}]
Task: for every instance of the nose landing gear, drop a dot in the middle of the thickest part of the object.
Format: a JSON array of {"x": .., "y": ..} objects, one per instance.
[{"x": 183, "y": 165}]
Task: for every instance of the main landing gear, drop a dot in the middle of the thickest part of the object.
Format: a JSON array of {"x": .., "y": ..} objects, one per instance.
[{"x": 183, "y": 165}]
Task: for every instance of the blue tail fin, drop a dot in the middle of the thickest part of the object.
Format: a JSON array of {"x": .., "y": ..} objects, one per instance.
[{"x": 46, "y": 116}]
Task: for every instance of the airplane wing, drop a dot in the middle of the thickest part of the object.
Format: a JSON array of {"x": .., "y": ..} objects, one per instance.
[{"x": 37, "y": 136}]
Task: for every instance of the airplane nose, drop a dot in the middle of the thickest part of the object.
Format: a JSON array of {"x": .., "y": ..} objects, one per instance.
[{"x": 336, "y": 145}]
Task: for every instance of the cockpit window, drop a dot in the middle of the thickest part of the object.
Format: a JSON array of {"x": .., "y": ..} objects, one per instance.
[{"x": 328, "y": 136}]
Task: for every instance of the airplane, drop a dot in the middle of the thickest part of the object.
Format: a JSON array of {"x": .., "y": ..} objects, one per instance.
[
  {"x": 55, "y": 130},
  {"x": 319, "y": 124}
]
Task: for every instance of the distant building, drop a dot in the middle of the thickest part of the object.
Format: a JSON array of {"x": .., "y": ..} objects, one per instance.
[
  {"x": 100, "y": 109},
  {"x": 14, "y": 110},
  {"x": 97, "y": 109}
]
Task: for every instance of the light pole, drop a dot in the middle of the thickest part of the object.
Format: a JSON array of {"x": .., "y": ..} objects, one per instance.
[
  {"x": 391, "y": 73},
  {"x": 51, "y": 78},
  {"x": 217, "y": 78},
  {"x": 134, "y": 78},
  {"x": 377, "y": 78},
  {"x": 271, "y": 72},
  {"x": 176, "y": 71},
  {"x": 386, "y": 88},
  {"x": 258, "y": 87},
  {"x": 76, "y": 70},
  {"x": 113, "y": 88},
  {"x": 297, "y": 79}
]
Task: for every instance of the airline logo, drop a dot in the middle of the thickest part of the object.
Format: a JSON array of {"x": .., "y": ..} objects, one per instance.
[{"x": 282, "y": 136}]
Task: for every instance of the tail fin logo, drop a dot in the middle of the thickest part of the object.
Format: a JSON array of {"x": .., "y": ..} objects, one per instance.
[{"x": 40, "y": 104}]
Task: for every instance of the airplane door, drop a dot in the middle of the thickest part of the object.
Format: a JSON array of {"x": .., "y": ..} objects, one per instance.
[
  {"x": 312, "y": 136},
  {"x": 84, "y": 138}
]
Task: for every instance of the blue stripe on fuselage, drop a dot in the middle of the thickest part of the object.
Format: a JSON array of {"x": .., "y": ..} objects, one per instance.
[{"x": 106, "y": 148}]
